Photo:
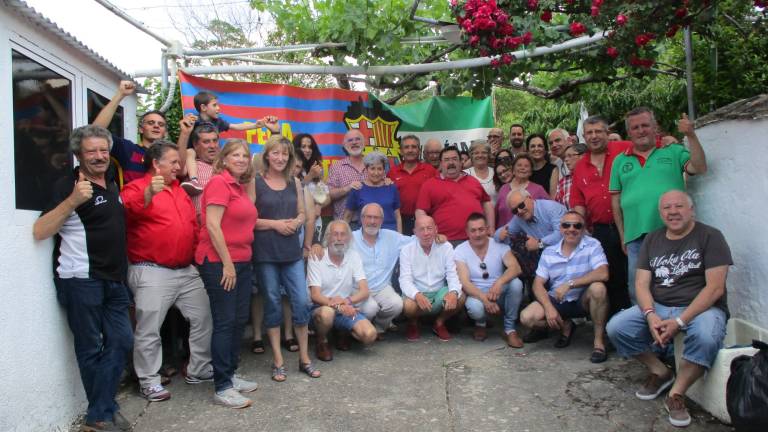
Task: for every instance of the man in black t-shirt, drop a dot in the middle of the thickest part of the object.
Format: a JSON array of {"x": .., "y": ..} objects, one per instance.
[
  {"x": 87, "y": 219},
  {"x": 680, "y": 283}
]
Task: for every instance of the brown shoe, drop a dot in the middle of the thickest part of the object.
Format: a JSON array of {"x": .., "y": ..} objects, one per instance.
[
  {"x": 323, "y": 351},
  {"x": 343, "y": 342},
  {"x": 479, "y": 334},
  {"x": 678, "y": 413},
  {"x": 513, "y": 340}
]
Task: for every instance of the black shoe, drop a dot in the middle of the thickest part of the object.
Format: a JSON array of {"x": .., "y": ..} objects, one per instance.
[
  {"x": 535, "y": 335},
  {"x": 99, "y": 426},
  {"x": 121, "y": 422}
]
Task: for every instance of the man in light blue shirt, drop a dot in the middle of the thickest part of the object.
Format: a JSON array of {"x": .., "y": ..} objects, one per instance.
[
  {"x": 539, "y": 219},
  {"x": 575, "y": 270},
  {"x": 379, "y": 250}
]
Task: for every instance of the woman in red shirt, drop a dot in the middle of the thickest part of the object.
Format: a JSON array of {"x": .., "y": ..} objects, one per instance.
[{"x": 224, "y": 259}]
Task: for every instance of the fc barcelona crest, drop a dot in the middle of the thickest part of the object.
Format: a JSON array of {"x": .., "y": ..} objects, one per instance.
[{"x": 378, "y": 126}]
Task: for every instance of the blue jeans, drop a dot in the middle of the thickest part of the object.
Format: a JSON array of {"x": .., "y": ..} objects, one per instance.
[
  {"x": 629, "y": 333},
  {"x": 633, "y": 250},
  {"x": 289, "y": 276},
  {"x": 508, "y": 301},
  {"x": 229, "y": 311},
  {"x": 97, "y": 313}
]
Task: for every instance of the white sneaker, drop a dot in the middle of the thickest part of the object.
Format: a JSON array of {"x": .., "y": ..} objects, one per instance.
[
  {"x": 243, "y": 386},
  {"x": 231, "y": 398}
]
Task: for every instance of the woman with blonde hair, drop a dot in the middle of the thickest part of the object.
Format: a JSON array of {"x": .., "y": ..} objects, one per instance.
[
  {"x": 278, "y": 257},
  {"x": 223, "y": 256}
]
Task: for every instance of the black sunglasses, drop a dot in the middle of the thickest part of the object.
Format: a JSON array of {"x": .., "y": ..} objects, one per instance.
[
  {"x": 577, "y": 225},
  {"x": 519, "y": 207},
  {"x": 484, "y": 268}
]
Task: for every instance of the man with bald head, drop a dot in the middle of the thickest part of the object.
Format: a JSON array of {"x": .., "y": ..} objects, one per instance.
[
  {"x": 680, "y": 282},
  {"x": 348, "y": 173},
  {"x": 495, "y": 139},
  {"x": 538, "y": 219},
  {"x": 432, "y": 149},
  {"x": 558, "y": 141},
  {"x": 429, "y": 280}
]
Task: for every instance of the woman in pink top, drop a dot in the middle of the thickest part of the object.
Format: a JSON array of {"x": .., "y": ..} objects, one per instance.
[
  {"x": 522, "y": 168},
  {"x": 224, "y": 261}
]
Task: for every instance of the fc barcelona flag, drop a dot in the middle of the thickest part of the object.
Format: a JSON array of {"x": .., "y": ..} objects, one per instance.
[{"x": 327, "y": 114}]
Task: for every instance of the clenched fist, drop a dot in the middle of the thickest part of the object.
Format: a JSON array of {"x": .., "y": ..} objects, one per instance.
[{"x": 126, "y": 88}]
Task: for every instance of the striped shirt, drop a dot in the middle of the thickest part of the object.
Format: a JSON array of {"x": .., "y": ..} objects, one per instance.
[{"x": 559, "y": 269}]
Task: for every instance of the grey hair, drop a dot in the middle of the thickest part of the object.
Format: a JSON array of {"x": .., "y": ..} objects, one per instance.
[
  {"x": 373, "y": 204},
  {"x": 688, "y": 198},
  {"x": 638, "y": 111},
  {"x": 88, "y": 131},
  {"x": 375, "y": 157},
  {"x": 329, "y": 228},
  {"x": 479, "y": 143},
  {"x": 561, "y": 131},
  {"x": 595, "y": 119}
]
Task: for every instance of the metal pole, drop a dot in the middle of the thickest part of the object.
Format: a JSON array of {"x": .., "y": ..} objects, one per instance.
[
  {"x": 119, "y": 12},
  {"x": 380, "y": 70},
  {"x": 163, "y": 72},
  {"x": 689, "y": 72}
]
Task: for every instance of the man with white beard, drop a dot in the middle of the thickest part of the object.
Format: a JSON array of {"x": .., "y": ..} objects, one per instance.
[
  {"x": 338, "y": 287},
  {"x": 347, "y": 173}
]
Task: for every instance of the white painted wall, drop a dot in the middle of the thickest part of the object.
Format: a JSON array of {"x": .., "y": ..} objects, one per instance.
[
  {"x": 40, "y": 388},
  {"x": 733, "y": 197}
]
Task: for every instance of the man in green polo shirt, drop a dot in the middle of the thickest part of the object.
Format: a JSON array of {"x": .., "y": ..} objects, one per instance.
[{"x": 643, "y": 173}]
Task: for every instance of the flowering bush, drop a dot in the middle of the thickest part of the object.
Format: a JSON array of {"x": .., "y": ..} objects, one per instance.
[{"x": 632, "y": 27}]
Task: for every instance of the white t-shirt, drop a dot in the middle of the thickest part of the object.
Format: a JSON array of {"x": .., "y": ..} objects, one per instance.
[
  {"x": 336, "y": 280},
  {"x": 494, "y": 263},
  {"x": 486, "y": 183}
]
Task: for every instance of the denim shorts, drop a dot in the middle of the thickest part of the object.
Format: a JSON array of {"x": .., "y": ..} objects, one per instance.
[
  {"x": 629, "y": 333},
  {"x": 343, "y": 322}
]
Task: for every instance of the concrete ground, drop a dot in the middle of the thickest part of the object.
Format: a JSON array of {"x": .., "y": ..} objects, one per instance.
[{"x": 429, "y": 385}]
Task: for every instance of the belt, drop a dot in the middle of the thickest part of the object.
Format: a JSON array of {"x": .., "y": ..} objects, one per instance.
[
  {"x": 608, "y": 225},
  {"x": 151, "y": 264}
]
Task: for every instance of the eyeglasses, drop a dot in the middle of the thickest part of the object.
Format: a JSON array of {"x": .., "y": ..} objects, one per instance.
[
  {"x": 576, "y": 225},
  {"x": 519, "y": 207},
  {"x": 153, "y": 123},
  {"x": 484, "y": 268},
  {"x": 505, "y": 160}
]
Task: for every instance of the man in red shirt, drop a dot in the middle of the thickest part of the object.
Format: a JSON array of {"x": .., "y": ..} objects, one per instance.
[
  {"x": 408, "y": 177},
  {"x": 591, "y": 198},
  {"x": 452, "y": 196},
  {"x": 162, "y": 232}
]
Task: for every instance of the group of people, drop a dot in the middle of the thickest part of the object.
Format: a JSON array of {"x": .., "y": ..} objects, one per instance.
[{"x": 601, "y": 230}]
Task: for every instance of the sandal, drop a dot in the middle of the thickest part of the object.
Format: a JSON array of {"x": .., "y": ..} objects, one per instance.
[
  {"x": 309, "y": 369},
  {"x": 563, "y": 341},
  {"x": 278, "y": 373},
  {"x": 291, "y": 345},
  {"x": 257, "y": 347}
]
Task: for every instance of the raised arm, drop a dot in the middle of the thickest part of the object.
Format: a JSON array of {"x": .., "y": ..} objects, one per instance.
[
  {"x": 698, "y": 162},
  {"x": 104, "y": 118}
]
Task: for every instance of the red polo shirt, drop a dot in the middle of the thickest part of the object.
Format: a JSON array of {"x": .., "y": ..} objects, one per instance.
[
  {"x": 590, "y": 187},
  {"x": 237, "y": 223},
  {"x": 451, "y": 202},
  {"x": 409, "y": 184},
  {"x": 165, "y": 232}
]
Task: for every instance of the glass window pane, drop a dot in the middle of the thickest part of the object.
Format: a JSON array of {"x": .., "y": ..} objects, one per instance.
[
  {"x": 95, "y": 103},
  {"x": 42, "y": 121}
]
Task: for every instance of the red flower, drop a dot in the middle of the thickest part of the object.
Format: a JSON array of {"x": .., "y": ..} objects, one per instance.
[
  {"x": 681, "y": 13},
  {"x": 612, "y": 52},
  {"x": 496, "y": 44},
  {"x": 621, "y": 20},
  {"x": 594, "y": 11},
  {"x": 597, "y": 3},
  {"x": 577, "y": 28},
  {"x": 527, "y": 38},
  {"x": 501, "y": 17},
  {"x": 474, "y": 40},
  {"x": 507, "y": 29},
  {"x": 673, "y": 30},
  {"x": 507, "y": 58},
  {"x": 495, "y": 63},
  {"x": 546, "y": 16},
  {"x": 513, "y": 42},
  {"x": 642, "y": 39},
  {"x": 533, "y": 4}
]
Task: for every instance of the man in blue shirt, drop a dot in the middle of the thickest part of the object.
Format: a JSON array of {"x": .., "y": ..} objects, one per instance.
[
  {"x": 574, "y": 270},
  {"x": 538, "y": 219}
]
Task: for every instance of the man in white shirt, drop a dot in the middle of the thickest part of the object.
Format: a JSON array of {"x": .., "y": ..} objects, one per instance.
[
  {"x": 338, "y": 286},
  {"x": 488, "y": 273},
  {"x": 428, "y": 280}
]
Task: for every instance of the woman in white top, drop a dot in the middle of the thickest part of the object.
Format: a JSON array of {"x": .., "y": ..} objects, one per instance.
[{"x": 480, "y": 153}]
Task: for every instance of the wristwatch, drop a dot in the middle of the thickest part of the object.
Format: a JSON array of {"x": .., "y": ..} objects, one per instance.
[
  {"x": 541, "y": 245},
  {"x": 680, "y": 322},
  {"x": 570, "y": 283}
]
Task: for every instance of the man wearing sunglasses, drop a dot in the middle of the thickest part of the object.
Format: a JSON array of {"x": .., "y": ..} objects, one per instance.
[
  {"x": 488, "y": 273},
  {"x": 570, "y": 284},
  {"x": 538, "y": 219}
]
